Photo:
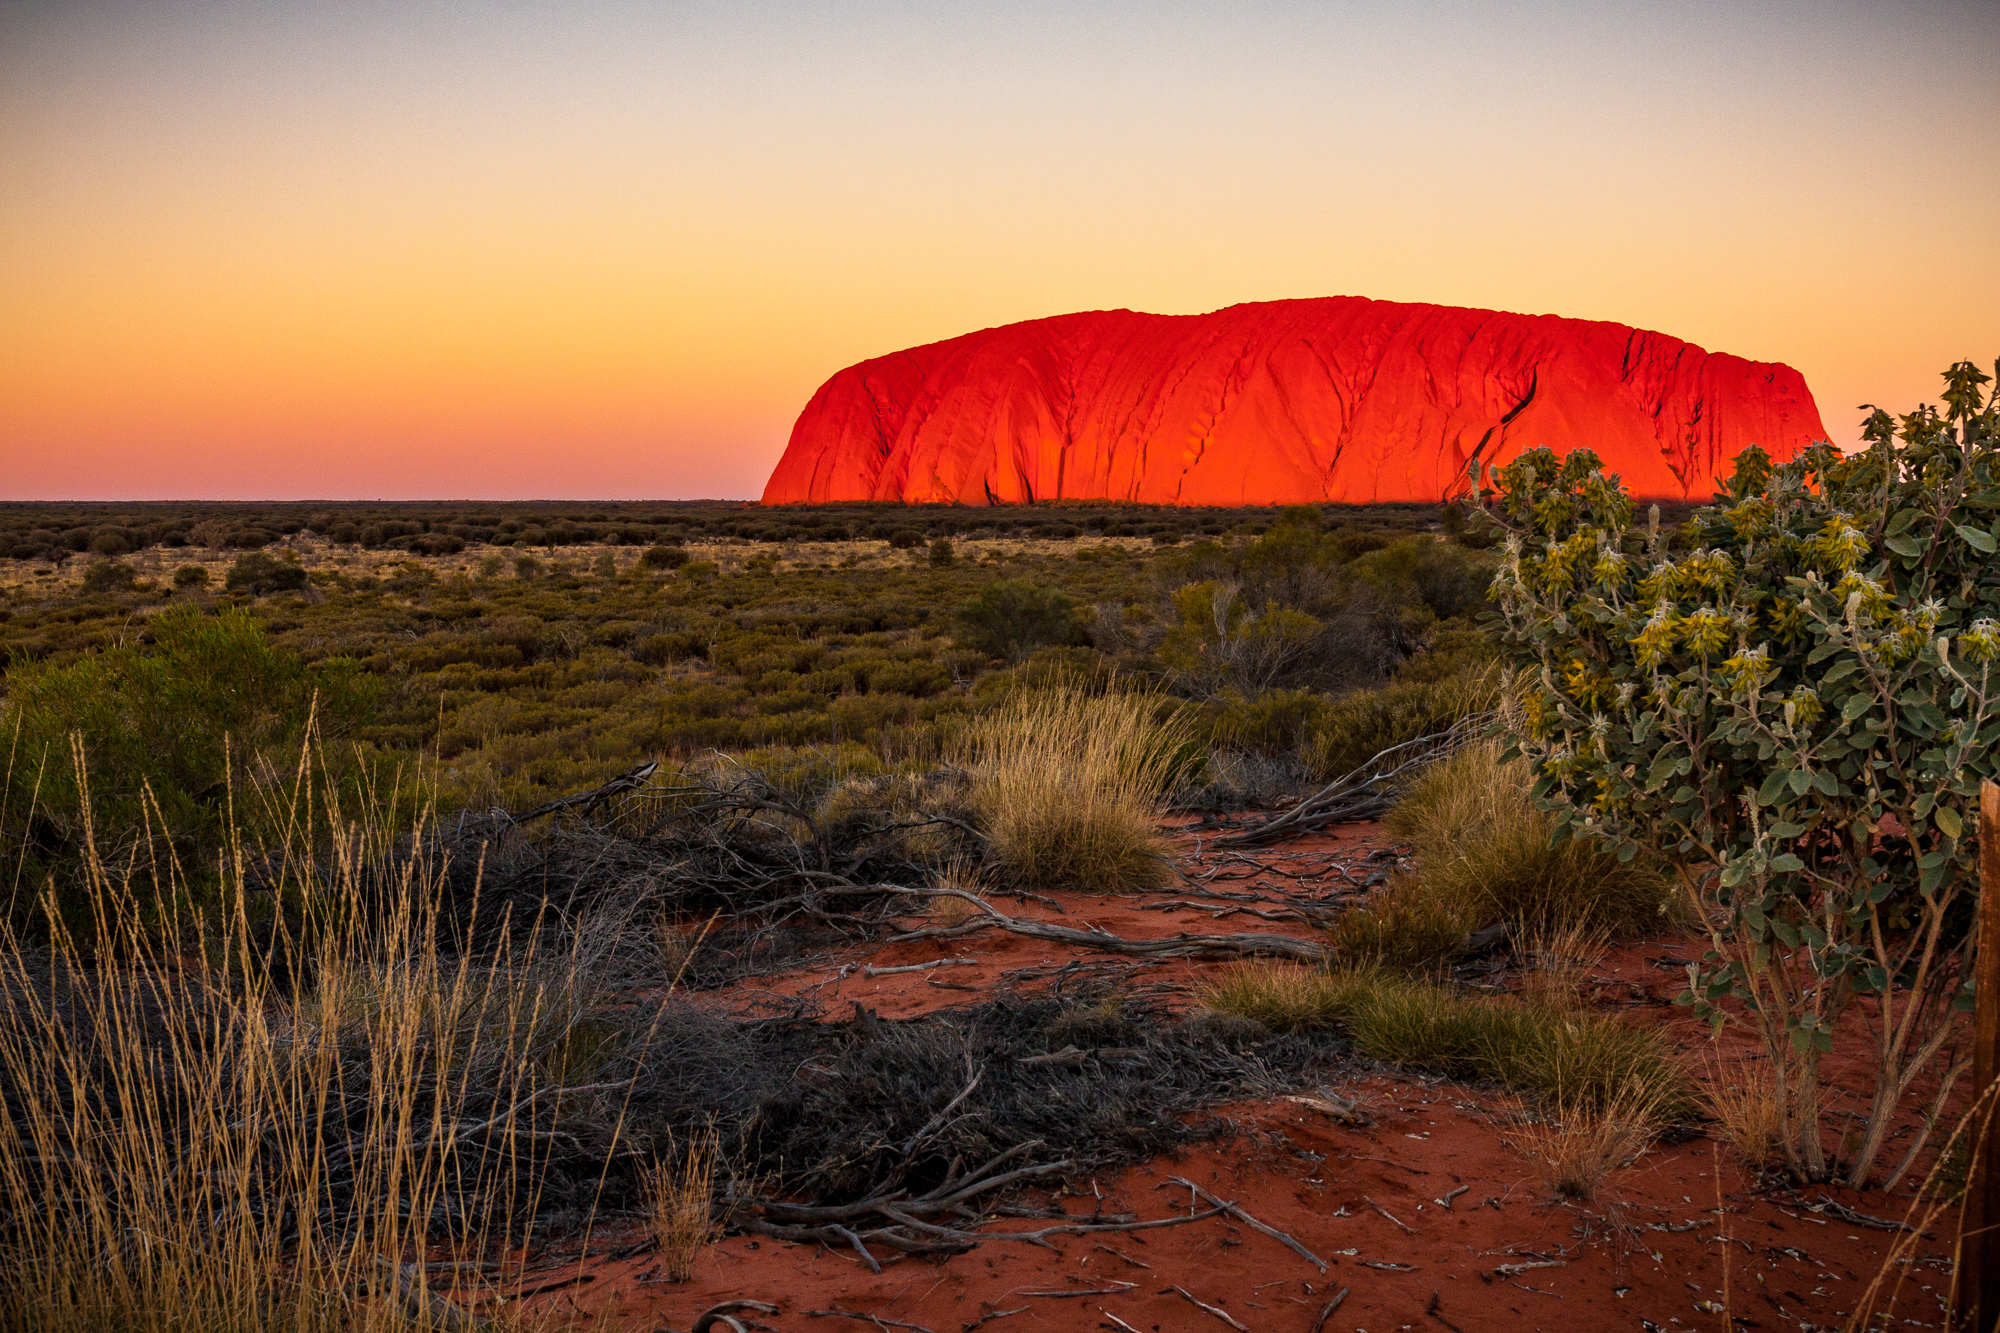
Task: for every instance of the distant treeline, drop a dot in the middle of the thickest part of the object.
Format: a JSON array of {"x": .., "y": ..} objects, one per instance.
[{"x": 60, "y": 531}]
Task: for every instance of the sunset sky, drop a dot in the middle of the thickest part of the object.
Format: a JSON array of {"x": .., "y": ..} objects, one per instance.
[{"x": 511, "y": 249}]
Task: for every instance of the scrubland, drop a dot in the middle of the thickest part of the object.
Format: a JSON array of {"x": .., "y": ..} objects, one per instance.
[{"x": 349, "y": 986}]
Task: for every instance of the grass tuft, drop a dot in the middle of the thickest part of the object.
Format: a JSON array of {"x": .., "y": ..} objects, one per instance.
[
  {"x": 1578, "y": 1147},
  {"x": 679, "y": 1195},
  {"x": 1483, "y": 850},
  {"x": 1745, "y": 1101},
  {"x": 1068, "y": 786},
  {"x": 1579, "y": 1061}
]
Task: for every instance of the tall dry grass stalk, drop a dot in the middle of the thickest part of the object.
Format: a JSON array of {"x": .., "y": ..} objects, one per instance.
[
  {"x": 1069, "y": 786},
  {"x": 1936, "y": 1200},
  {"x": 193, "y": 1138}
]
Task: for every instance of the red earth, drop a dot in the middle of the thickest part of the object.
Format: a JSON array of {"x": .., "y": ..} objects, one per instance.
[
  {"x": 1281, "y": 402},
  {"x": 1428, "y": 1218}
]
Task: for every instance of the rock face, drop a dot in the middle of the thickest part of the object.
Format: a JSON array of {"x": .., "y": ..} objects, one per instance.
[{"x": 1339, "y": 398}]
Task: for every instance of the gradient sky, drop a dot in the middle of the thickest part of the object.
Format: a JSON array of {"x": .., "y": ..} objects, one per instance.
[{"x": 408, "y": 249}]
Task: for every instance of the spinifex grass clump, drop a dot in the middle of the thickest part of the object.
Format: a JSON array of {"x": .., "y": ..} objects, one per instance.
[
  {"x": 1068, "y": 786},
  {"x": 1796, "y": 704},
  {"x": 1482, "y": 846},
  {"x": 1577, "y": 1059},
  {"x": 194, "y": 1138}
]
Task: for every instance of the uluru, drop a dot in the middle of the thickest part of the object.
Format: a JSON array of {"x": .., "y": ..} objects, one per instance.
[{"x": 1336, "y": 398}]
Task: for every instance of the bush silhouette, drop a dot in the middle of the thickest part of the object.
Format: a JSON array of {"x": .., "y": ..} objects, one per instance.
[
  {"x": 257, "y": 574},
  {"x": 191, "y": 576},
  {"x": 1010, "y": 619}
]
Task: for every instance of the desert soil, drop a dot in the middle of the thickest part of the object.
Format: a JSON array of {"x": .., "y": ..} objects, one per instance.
[{"x": 1428, "y": 1218}]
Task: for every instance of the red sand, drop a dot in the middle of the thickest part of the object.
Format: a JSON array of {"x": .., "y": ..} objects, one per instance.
[
  {"x": 1653, "y": 1251},
  {"x": 1281, "y": 402}
]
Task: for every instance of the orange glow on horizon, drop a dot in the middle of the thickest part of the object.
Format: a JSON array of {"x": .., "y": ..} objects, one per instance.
[{"x": 421, "y": 251}]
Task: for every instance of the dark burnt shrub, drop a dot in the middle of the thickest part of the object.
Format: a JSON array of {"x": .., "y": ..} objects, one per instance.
[
  {"x": 903, "y": 539},
  {"x": 261, "y": 574},
  {"x": 77, "y": 539}
]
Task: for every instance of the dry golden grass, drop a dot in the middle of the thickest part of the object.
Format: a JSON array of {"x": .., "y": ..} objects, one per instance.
[
  {"x": 1483, "y": 850},
  {"x": 1744, "y": 1100},
  {"x": 1284, "y": 997},
  {"x": 184, "y": 1150},
  {"x": 679, "y": 1212},
  {"x": 1577, "y": 1146},
  {"x": 959, "y": 877},
  {"x": 1068, "y": 786},
  {"x": 1556, "y": 959}
]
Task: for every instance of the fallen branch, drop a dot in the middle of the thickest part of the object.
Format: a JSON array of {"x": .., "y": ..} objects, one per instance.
[
  {"x": 1365, "y": 793},
  {"x": 722, "y": 1314},
  {"x": 1173, "y": 946},
  {"x": 631, "y": 780},
  {"x": 874, "y": 1319},
  {"x": 1386, "y": 1213},
  {"x": 1218, "y": 1312},
  {"x": 1250, "y": 1221},
  {"x": 1327, "y": 1313}
]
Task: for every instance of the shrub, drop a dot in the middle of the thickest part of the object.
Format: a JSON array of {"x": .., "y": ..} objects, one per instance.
[
  {"x": 663, "y": 557},
  {"x": 904, "y": 539},
  {"x": 190, "y": 577},
  {"x": 1013, "y": 618},
  {"x": 165, "y": 729},
  {"x": 941, "y": 554},
  {"x": 1068, "y": 786},
  {"x": 1799, "y": 708},
  {"x": 1221, "y": 644},
  {"x": 109, "y": 576},
  {"x": 259, "y": 573},
  {"x": 110, "y": 542}
]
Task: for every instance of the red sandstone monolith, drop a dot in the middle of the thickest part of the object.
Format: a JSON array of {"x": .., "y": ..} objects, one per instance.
[{"x": 1279, "y": 402}]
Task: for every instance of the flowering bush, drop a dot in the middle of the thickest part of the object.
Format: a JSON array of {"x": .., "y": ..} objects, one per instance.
[{"x": 1795, "y": 700}]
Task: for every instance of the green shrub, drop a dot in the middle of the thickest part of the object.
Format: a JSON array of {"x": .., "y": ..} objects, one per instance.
[
  {"x": 663, "y": 557},
  {"x": 942, "y": 555},
  {"x": 1272, "y": 724},
  {"x": 1012, "y": 618},
  {"x": 109, "y": 576},
  {"x": 259, "y": 573},
  {"x": 169, "y": 731},
  {"x": 1800, "y": 708}
]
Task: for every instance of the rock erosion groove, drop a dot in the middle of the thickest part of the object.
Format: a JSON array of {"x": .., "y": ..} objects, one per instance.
[{"x": 1335, "y": 398}]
